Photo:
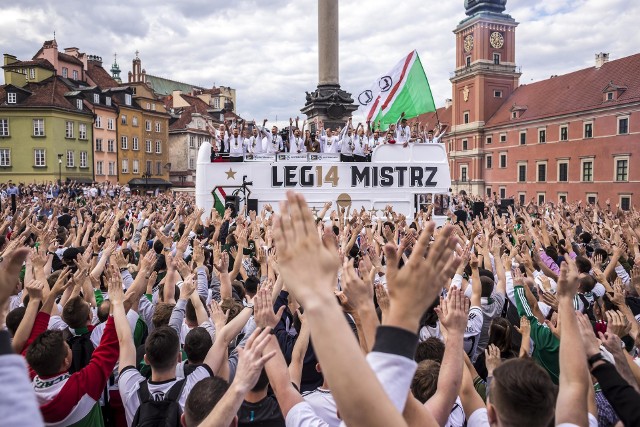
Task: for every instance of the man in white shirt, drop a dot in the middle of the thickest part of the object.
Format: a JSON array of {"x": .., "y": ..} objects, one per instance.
[
  {"x": 346, "y": 143},
  {"x": 236, "y": 144},
  {"x": 296, "y": 140},
  {"x": 255, "y": 145},
  {"x": 435, "y": 140},
  {"x": 403, "y": 131},
  {"x": 361, "y": 145},
  {"x": 273, "y": 143},
  {"x": 328, "y": 141}
]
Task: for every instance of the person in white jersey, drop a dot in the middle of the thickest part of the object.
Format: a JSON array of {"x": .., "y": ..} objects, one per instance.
[
  {"x": 346, "y": 143},
  {"x": 403, "y": 131},
  {"x": 273, "y": 143},
  {"x": 236, "y": 143},
  {"x": 296, "y": 139},
  {"x": 360, "y": 145}
]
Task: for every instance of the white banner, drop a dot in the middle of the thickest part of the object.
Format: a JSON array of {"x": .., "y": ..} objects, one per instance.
[
  {"x": 292, "y": 157},
  {"x": 323, "y": 157},
  {"x": 259, "y": 157}
]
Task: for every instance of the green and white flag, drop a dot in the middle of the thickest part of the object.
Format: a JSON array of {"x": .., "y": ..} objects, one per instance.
[
  {"x": 218, "y": 199},
  {"x": 404, "y": 89}
]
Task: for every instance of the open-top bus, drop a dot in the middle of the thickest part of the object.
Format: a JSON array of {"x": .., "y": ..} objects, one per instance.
[{"x": 409, "y": 179}]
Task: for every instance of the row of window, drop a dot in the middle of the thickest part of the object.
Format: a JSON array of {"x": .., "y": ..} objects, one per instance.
[
  {"x": 39, "y": 130},
  {"x": 623, "y": 129},
  {"x": 134, "y": 122},
  {"x": 124, "y": 144},
  {"x": 621, "y": 166},
  {"x": 110, "y": 123},
  {"x": 591, "y": 198},
  {"x": 65, "y": 73},
  {"x": 192, "y": 141},
  {"x": 135, "y": 167},
  {"x": 100, "y": 168},
  {"x": 111, "y": 145},
  {"x": 40, "y": 158}
]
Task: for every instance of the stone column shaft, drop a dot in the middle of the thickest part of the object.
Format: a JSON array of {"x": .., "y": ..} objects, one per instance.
[{"x": 328, "y": 45}]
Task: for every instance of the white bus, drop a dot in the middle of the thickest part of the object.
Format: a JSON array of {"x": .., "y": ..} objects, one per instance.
[{"x": 409, "y": 179}]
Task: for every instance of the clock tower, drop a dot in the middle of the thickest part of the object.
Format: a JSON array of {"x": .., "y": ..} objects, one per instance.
[{"x": 485, "y": 76}]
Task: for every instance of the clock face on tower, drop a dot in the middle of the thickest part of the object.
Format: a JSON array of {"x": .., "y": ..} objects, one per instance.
[
  {"x": 468, "y": 43},
  {"x": 497, "y": 40}
]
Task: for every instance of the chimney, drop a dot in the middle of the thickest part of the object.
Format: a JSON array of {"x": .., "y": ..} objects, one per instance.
[
  {"x": 601, "y": 59},
  {"x": 448, "y": 103},
  {"x": 9, "y": 59}
]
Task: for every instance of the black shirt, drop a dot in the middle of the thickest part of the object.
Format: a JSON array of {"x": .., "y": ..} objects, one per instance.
[{"x": 265, "y": 413}]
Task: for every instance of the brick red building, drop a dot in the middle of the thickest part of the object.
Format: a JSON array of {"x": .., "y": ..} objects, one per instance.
[{"x": 570, "y": 137}]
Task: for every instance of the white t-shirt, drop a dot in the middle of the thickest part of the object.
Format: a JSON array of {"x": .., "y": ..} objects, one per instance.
[
  {"x": 471, "y": 333},
  {"x": 129, "y": 383},
  {"x": 302, "y": 414},
  {"x": 323, "y": 405}
]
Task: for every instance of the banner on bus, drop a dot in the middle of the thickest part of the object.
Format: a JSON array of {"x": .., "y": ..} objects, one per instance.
[
  {"x": 259, "y": 157},
  {"x": 292, "y": 157},
  {"x": 323, "y": 157}
]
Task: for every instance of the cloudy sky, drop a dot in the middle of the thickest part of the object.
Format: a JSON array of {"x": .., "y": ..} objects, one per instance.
[{"x": 267, "y": 49}]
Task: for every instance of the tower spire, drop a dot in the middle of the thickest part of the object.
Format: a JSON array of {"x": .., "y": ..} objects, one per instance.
[{"x": 115, "y": 69}]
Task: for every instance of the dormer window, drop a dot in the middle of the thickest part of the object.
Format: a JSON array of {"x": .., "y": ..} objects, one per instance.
[
  {"x": 96, "y": 98},
  {"x": 514, "y": 114},
  {"x": 612, "y": 92},
  {"x": 517, "y": 111},
  {"x": 107, "y": 101},
  {"x": 75, "y": 75},
  {"x": 12, "y": 98},
  {"x": 79, "y": 104},
  {"x": 610, "y": 96},
  {"x": 127, "y": 99}
]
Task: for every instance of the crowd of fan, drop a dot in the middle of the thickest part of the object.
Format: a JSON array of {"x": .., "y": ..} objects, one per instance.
[{"x": 122, "y": 309}]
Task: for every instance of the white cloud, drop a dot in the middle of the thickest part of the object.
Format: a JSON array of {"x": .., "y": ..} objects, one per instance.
[{"x": 267, "y": 49}]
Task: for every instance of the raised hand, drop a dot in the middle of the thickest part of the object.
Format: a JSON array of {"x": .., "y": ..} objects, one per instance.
[
  {"x": 359, "y": 292},
  {"x": 218, "y": 317},
  {"x": 263, "y": 312},
  {"x": 492, "y": 358},
  {"x": 252, "y": 359},
  {"x": 413, "y": 288}
]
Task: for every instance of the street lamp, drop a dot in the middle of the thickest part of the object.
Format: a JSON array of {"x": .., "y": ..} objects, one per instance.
[
  {"x": 146, "y": 177},
  {"x": 60, "y": 169}
]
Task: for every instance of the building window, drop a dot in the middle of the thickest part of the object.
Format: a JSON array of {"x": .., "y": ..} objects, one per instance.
[
  {"x": 110, "y": 124},
  {"x": 107, "y": 101},
  {"x": 135, "y": 166},
  {"x": 463, "y": 173},
  {"x": 39, "y": 158},
  {"x": 112, "y": 168},
  {"x": 32, "y": 73},
  {"x": 465, "y": 145},
  {"x": 123, "y": 119},
  {"x": 496, "y": 58},
  {"x": 148, "y": 106},
  {"x": 216, "y": 103},
  {"x": 158, "y": 168},
  {"x": 158, "y": 127},
  {"x": 488, "y": 191},
  {"x": 588, "y": 130},
  {"x": 503, "y": 192},
  {"x": 622, "y": 170},
  {"x": 98, "y": 144},
  {"x": 4, "y": 127},
  {"x": 523, "y": 137},
  {"x": 564, "y": 133},
  {"x": 75, "y": 74},
  {"x": 147, "y": 125},
  {"x": 623, "y": 125},
  {"x": 96, "y": 98},
  {"x": 134, "y": 143},
  {"x": 99, "y": 168},
  {"x": 65, "y": 72},
  {"x": 522, "y": 173},
  {"x": 158, "y": 147},
  {"x": 153, "y": 107},
  {"x": 192, "y": 141},
  {"x": 5, "y": 157},
  {"x": 466, "y": 117},
  {"x": 68, "y": 130},
  {"x": 83, "y": 159},
  {"x": 70, "y": 159},
  {"x": 497, "y": 94},
  {"x": 489, "y": 161},
  {"x": 522, "y": 198},
  {"x": 98, "y": 122},
  {"x": 134, "y": 121},
  {"x": 489, "y": 140},
  {"x": 125, "y": 166},
  {"x": 111, "y": 146},
  {"x": 541, "y": 198},
  {"x": 79, "y": 104},
  {"x": 542, "y": 136},
  {"x": 148, "y": 168},
  {"x": 503, "y": 137},
  {"x": 542, "y": 172},
  {"x": 503, "y": 160},
  {"x": 192, "y": 163},
  {"x": 587, "y": 170},
  {"x": 563, "y": 172},
  {"x": 12, "y": 98},
  {"x": 82, "y": 131},
  {"x": 609, "y": 96},
  {"x": 38, "y": 127},
  {"x": 147, "y": 147},
  {"x": 514, "y": 114},
  {"x": 592, "y": 198},
  {"x": 625, "y": 201},
  {"x": 562, "y": 197},
  {"x": 124, "y": 142},
  {"x": 127, "y": 99},
  {"x": 468, "y": 61}
]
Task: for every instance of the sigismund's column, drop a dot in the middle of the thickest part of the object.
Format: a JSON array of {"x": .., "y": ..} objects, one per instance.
[{"x": 329, "y": 102}]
